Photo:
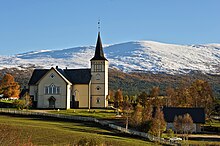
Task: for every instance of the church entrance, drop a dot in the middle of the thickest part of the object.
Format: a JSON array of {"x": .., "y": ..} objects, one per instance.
[
  {"x": 74, "y": 103},
  {"x": 52, "y": 102}
]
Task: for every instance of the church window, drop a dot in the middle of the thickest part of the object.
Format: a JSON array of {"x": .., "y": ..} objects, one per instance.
[
  {"x": 98, "y": 88},
  {"x": 98, "y": 76},
  {"x": 52, "y": 75},
  {"x": 97, "y": 100},
  {"x": 52, "y": 89},
  {"x": 98, "y": 67}
]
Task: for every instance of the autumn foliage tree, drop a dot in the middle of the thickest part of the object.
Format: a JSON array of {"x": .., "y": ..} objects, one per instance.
[
  {"x": 158, "y": 123},
  {"x": 9, "y": 87},
  {"x": 196, "y": 94},
  {"x": 142, "y": 99},
  {"x": 183, "y": 124},
  {"x": 154, "y": 94},
  {"x": 136, "y": 117},
  {"x": 118, "y": 99},
  {"x": 201, "y": 93},
  {"x": 24, "y": 102}
]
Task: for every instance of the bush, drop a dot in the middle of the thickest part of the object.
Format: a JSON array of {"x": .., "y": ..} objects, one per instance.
[
  {"x": 170, "y": 133},
  {"x": 19, "y": 104}
]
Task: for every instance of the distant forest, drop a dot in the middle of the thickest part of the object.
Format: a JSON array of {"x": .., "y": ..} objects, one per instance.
[{"x": 135, "y": 82}]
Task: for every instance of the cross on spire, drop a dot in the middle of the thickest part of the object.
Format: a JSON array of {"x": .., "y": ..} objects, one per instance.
[{"x": 99, "y": 25}]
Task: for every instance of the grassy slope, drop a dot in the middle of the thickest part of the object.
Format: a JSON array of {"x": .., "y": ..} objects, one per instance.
[
  {"x": 95, "y": 113},
  {"x": 50, "y": 132}
]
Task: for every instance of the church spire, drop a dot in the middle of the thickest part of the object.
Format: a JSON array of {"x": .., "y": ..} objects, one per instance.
[{"x": 99, "y": 54}]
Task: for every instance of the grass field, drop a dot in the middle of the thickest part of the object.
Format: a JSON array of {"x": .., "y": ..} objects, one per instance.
[
  {"x": 41, "y": 131},
  {"x": 96, "y": 113},
  {"x": 201, "y": 143}
]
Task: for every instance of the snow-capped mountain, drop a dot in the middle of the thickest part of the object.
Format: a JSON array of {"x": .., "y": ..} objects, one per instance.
[{"x": 129, "y": 56}]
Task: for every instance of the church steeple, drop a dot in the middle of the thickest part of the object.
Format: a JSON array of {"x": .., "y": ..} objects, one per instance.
[{"x": 99, "y": 54}]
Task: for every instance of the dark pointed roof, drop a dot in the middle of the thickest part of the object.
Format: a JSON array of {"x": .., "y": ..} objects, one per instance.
[{"x": 99, "y": 54}]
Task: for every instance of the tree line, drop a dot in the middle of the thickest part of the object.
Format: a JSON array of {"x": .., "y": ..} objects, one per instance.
[{"x": 143, "y": 112}]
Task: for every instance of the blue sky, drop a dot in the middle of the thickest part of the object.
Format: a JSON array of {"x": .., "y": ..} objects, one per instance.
[{"x": 27, "y": 25}]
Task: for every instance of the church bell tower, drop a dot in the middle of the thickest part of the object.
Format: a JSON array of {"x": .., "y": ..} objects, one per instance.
[{"x": 99, "y": 81}]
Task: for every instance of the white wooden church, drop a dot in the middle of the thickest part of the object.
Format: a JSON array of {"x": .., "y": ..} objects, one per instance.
[{"x": 72, "y": 88}]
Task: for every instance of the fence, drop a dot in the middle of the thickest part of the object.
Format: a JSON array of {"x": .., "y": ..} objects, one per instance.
[{"x": 89, "y": 119}]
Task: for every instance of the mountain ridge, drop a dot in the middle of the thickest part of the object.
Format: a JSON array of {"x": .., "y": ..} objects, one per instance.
[{"x": 146, "y": 56}]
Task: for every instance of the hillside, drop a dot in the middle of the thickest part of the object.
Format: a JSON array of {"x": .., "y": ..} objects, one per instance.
[
  {"x": 144, "y": 56},
  {"x": 135, "y": 82}
]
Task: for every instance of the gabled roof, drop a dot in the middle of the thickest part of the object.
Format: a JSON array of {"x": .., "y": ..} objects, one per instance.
[
  {"x": 74, "y": 76},
  {"x": 78, "y": 76},
  {"x": 37, "y": 75},
  {"x": 99, "y": 54},
  {"x": 197, "y": 114}
]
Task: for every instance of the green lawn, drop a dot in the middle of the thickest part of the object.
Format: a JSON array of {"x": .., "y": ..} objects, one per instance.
[
  {"x": 96, "y": 113},
  {"x": 20, "y": 130},
  {"x": 200, "y": 143},
  {"x": 7, "y": 101},
  {"x": 213, "y": 123}
]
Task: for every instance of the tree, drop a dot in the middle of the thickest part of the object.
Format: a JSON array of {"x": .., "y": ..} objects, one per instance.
[
  {"x": 146, "y": 117},
  {"x": 154, "y": 93},
  {"x": 142, "y": 99},
  {"x": 118, "y": 98},
  {"x": 158, "y": 123},
  {"x": 183, "y": 124},
  {"x": 126, "y": 107},
  {"x": 28, "y": 100},
  {"x": 187, "y": 124},
  {"x": 136, "y": 117},
  {"x": 177, "y": 123},
  {"x": 201, "y": 93},
  {"x": 147, "y": 113},
  {"x": 23, "y": 103},
  {"x": 171, "y": 97},
  {"x": 111, "y": 96},
  {"x": 9, "y": 87}
]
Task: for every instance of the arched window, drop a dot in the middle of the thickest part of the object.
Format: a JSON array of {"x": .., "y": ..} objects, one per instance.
[
  {"x": 98, "y": 76},
  {"x": 52, "y": 89},
  {"x": 98, "y": 88},
  {"x": 98, "y": 100}
]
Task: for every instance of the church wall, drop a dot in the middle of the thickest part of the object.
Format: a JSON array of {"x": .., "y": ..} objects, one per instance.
[
  {"x": 99, "y": 83},
  {"x": 106, "y": 82},
  {"x": 68, "y": 96},
  {"x": 82, "y": 94},
  {"x": 33, "y": 91},
  {"x": 43, "y": 101},
  {"x": 98, "y": 101}
]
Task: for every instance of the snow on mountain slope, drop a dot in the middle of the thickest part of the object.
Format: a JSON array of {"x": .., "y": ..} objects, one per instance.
[{"x": 129, "y": 56}]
